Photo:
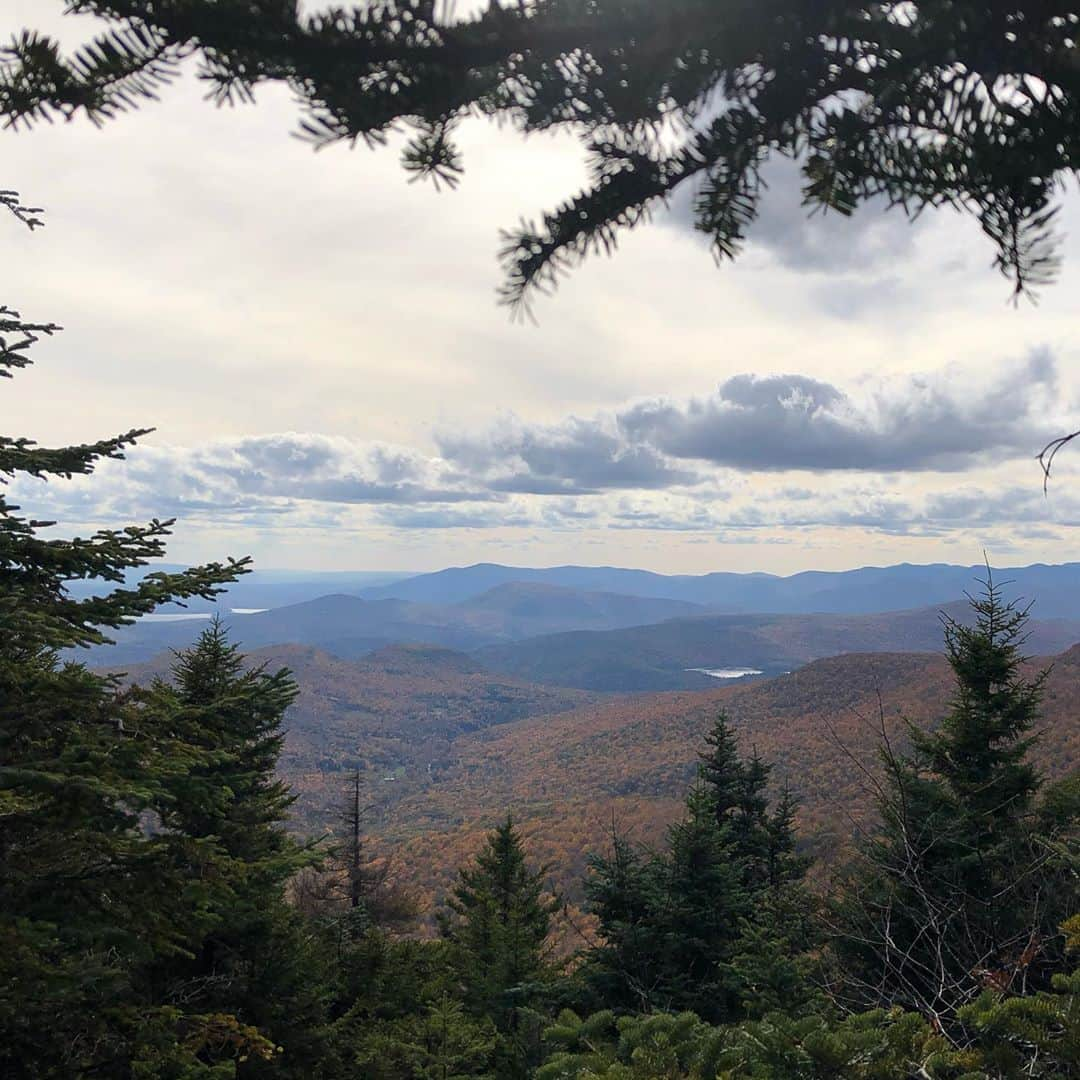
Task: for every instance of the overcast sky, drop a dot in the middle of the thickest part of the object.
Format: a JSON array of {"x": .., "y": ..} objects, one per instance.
[{"x": 318, "y": 344}]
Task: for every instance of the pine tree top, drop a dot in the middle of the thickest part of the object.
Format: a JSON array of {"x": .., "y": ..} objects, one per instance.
[
  {"x": 981, "y": 746},
  {"x": 974, "y": 106},
  {"x": 36, "y": 608}
]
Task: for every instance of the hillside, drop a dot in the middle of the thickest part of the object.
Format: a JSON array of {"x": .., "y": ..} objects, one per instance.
[
  {"x": 664, "y": 656},
  {"x": 447, "y": 747},
  {"x": 569, "y": 777},
  {"x": 350, "y": 626},
  {"x": 391, "y": 714},
  {"x": 521, "y": 609}
]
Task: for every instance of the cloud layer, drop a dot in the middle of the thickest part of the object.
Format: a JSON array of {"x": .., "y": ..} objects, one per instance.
[
  {"x": 761, "y": 454},
  {"x": 946, "y": 422}
]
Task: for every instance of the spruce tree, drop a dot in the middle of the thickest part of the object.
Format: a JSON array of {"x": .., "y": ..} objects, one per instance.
[
  {"x": 498, "y": 919},
  {"x": 624, "y": 890},
  {"x": 250, "y": 954},
  {"x": 87, "y": 892},
  {"x": 234, "y": 712},
  {"x": 966, "y": 880},
  {"x": 707, "y": 898},
  {"x": 448, "y": 1044},
  {"x": 720, "y": 910}
]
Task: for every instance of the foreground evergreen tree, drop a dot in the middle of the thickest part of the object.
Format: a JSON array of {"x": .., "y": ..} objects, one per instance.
[
  {"x": 718, "y": 921},
  {"x": 440, "y": 1042},
  {"x": 965, "y": 884},
  {"x": 234, "y": 712},
  {"x": 253, "y": 956},
  {"x": 1012, "y": 1038},
  {"x": 403, "y": 1017},
  {"x": 497, "y": 922},
  {"x": 87, "y": 894},
  {"x": 967, "y": 104}
]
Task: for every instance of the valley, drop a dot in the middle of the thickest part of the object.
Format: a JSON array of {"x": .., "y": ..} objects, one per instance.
[
  {"x": 570, "y": 777},
  {"x": 575, "y": 711}
]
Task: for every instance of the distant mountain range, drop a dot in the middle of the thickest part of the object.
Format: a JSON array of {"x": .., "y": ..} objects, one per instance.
[
  {"x": 350, "y": 626},
  {"x": 1054, "y": 589},
  {"x": 672, "y": 655},
  {"x": 601, "y": 641},
  {"x": 616, "y": 630}
]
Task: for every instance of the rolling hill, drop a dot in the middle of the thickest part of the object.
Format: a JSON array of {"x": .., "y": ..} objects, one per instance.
[
  {"x": 664, "y": 656},
  {"x": 446, "y": 748},
  {"x": 394, "y": 714},
  {"x": 350, "y": 626},
  {"x": 570, "y": 778}
]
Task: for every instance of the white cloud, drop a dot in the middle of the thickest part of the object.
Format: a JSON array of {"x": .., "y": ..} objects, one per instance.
[{"x": 318, "y": 344}]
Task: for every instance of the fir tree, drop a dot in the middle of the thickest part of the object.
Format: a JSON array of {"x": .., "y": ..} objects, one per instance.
[
  {"x": 448, "y": 1044},
  {"x": 966, "y": 881},
  {"x": 720, "y": 911},
  {"x": 736, "y": 792},
  {"x": 624, "y": 890},
  {"x": 87, "y": 894},
  {"x": 250, "y": 956},
  {"x": 707, "y": 899},
  {"x": 916, "y": 104},
  {"x": 438, "y": 1041},
  {"x": 234, "y": 713},
  {"x": 498, "y": 920}
]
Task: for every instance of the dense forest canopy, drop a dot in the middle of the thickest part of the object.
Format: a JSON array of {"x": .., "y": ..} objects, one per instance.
[{"x": 919, "y": 103}]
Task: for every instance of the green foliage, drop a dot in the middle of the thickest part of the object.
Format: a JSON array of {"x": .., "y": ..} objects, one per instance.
[
  {"x": 1013, "y": 1037},
  {"x": 720, "y": 917},
  {"x": 402, "y": 1016},
  {"x": 235, "y": 716},
  {"x": 965, "y": 883},
  {"x": 443, "y": 1043},
  {"x": 918, "y": 105},
  {"x": 664, "y": 1046},
  {"x": 602, "y": 1047},
  {"x": 876, "y": 1045},
  {"x": 252, "y": 956},
  {"x": 498, "y": 920},
  {"x": 88, "y": 892},
  {"x": 1038, "y": 1036}
]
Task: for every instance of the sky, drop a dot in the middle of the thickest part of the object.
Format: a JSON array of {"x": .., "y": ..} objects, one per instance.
[{"x": 333, "y": 385}]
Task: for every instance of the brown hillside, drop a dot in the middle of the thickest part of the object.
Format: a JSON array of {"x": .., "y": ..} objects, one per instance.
[
  {"x": 568, "y": 777},
  {"x": 392, "y": 714},
  {"x": 447, "y": 748}
]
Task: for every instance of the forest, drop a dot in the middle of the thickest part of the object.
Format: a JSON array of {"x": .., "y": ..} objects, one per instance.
[
  {"x": 160, "y": 921},
  {"x": 161, "y": 916}
]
